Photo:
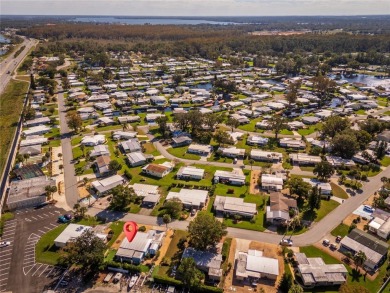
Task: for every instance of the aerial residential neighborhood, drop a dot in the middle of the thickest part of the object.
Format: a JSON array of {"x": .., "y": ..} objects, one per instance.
[{"x": 240, "y": 169}]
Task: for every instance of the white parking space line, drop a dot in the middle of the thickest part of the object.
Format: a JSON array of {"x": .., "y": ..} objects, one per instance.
[
  {"x": 6, "y": 250},
  {"x": 30, "y": 269},
  {"x": 54, "y": 225},
  {"x": 40, "y": 216},
  {"x": 51, "y": 213},
  {"x": 29, "y": 261},
  {"x": 6, "y": 253},
  {"x": 3, "y": 279},
  {"x": 27, "y": 219},
  {"x": 34, "y": 218},
  {"x": 37, "y": 269},
  {"x": 58, "y": 212},
  {"x": 9, "y": 232},
  {"x": 50, "y": 272},
  {"x": 41, "y": 231},
  {"x": 30, "y": 244},
  {"x": 44, "y": 270}
]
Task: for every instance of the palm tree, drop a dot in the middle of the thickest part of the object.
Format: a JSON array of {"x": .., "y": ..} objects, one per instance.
[
  {"x": 359, "y": 259},
  {"x": 125, "y": 126},
  {"x": 384, "y": 180},
  {"x": 61, "y": 167},
  {"x": 50, "y": 190},
  {"x": 82, "y": 148}
]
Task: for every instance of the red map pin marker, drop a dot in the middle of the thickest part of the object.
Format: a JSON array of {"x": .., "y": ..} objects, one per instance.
[{"x": 130, "y": 229}]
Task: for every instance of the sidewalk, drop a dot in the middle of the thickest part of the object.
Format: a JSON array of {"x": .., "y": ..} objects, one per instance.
[{"x": 58, "y": 174}]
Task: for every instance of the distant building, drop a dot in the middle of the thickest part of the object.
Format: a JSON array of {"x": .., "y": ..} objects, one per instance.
[
  {"x": 131, "y": 146},
  {"x": 149, "y": 193},
  {"x": 102, "y": 164},
  {"x": 28, "y": 172},
  {"x": 232, "y": 152},
  {"x": 28, "y": 193},
  {"x": 292, "y": 143},
  {"x": 208, "y": 262},
  {"x": 93, "y": 140},
  {"x": 314, "y": 272},
  {"x": 252, "y": 266},
  {"x": 257, "y": 140},
  {"x": 326, "y": 188},
  {"x": 138, "y": 159},
  {"x": 181, "y": 141}
]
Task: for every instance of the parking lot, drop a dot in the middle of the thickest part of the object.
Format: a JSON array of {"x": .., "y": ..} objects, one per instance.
[
  {"x": 6, "y": 253},
  {"x": 24, "y": 232}
]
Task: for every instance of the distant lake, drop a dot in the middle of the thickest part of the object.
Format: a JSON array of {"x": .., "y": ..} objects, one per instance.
[
  {"x": 368, "y": 80},
  {"x": 3, "y": 40},
  {"x": 155, "y": 21}
]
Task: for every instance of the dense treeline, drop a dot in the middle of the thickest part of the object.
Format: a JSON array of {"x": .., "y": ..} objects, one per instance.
[
  {"x": 373, "y": 24},
  {"x": 189, "y": 41}
]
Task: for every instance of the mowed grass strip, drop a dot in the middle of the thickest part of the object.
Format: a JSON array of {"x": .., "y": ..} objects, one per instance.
[{"x": 11, "y": 105}]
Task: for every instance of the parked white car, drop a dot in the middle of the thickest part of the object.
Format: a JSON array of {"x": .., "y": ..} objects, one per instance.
[{"x": 4, "y": 244}]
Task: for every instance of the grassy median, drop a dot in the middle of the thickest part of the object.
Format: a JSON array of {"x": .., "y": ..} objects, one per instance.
[{"x": 11, "y": 105}]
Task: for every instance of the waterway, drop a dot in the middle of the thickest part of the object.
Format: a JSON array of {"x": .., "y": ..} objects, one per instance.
[{"x": 152, "y": 21}]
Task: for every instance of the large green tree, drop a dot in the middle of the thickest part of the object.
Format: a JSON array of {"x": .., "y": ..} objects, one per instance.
[
  {"x": 345, "y": 145},
  {"x": 122, "y": 196},
  {"x": 323, "y": 170},
  {"x": 314, "y": 200},
  {"x": 189, "y": 274},
  {"x": 205, "y": 231},
  {"x": 173, "y": 207},
  {"x": 299, "y": 187},
  {"x": 277, "y": 123},
  {"x": 74, "y": 121},
  {"x": 86, "y": 252},
  {"x": 334, "y": 125}
]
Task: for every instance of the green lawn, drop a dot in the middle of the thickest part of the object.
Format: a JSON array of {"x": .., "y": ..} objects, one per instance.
[
  {"x": 258, "y": 225},
  {"x": 214, "y": 158},
  {"x": 306, "y": 168},
  {"x": 46, "y": 251},
  {"x": 352, "y": 278},
  {"x": 385, "y": 161},
  {"x": 341, "y": 230},
  {"x": 311, "y": 129},
  {"x": 76, "y": 140},
  {"x": 338, "y": 191},
  {"x": 150, "y": 149},
  {"x": 109, "y": 128},
  {"x": 326, "y": 207},
  {"x": 251, "y": 126},
  {"x": 4, "y": 218},
  {"x": 11, "y": 105},
  {"x": 54, "y": 132},
  {"x": 181, "y": 152},
  {"x": 117, "y": 228},
  {"x": 286, "y": 132},
  {"x": 360, "y": 112},
  {"x": 173, "y": 249}
]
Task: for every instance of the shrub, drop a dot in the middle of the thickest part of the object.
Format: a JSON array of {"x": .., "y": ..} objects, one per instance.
[{"x": 142, "y": 229}]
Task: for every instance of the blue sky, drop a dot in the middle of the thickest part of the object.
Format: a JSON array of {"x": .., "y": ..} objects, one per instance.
[{"x": 195, "y": 7}]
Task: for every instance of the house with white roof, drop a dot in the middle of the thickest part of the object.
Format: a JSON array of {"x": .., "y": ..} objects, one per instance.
[
  {"x": 304, "y": 159},
  {"x": 200, "y": 149},
  {"x": 255, "y": 140},
  {"x": 191, "y": 198},
  {"x": 105, "y": 185},
  {"x": 149, "y": 193},
  {"x": 99, "y": 150},
  {"x": 72, "y": 232},
  {"x": 266, "y": 156},
  {"x": 228, "y": 206},
  {"x": 137, "y": 159},
  {"x": 190, "y": 173},
  {"x": 271, "y": 182},
  {"x": 325, "y": 187},
  {"x": 143, "y": 243},
  {"x": 36, "y": 130},
  {"x": 93, "y": 140},
  {"x": 314, "y": 272},
  {"x": 252, "y": 266},
  {"x": 226, "y": 177},
  {"x": 232, "y": 152}
]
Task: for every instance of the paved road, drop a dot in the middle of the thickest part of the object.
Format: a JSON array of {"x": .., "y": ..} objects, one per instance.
[
  {"x": 70, "y": 179},
  {"x": 316, "y": 232},
  {"x": 9, "y": 64},
  {"x": 25, "y": 274}
]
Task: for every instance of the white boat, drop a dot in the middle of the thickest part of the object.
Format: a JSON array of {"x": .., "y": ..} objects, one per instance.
[{"x": 133, "y": 280}]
